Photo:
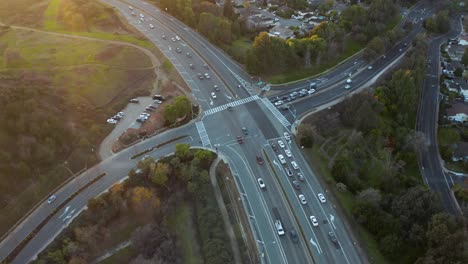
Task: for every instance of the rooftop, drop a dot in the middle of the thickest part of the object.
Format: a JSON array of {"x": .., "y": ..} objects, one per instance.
[
  {"x": 457, "y": 108},
  {"x": 462, "y": 149}
]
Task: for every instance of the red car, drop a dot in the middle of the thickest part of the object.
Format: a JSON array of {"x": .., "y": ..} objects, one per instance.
[{"x": 260, "y": 160}]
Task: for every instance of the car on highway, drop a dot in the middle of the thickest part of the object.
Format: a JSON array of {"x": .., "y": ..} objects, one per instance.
[
  {"x": 200, "y": 76},
  {"x": 274, "y": 147},
  {"x": 294, "y": 165},
  {"x": 293, "y": 94},
  {"x": 293, "y": 235},
  {"x": 282, "y": 159},
  {"x": 349, "y": 81},
  {"x": 322, "y": 198},
  {"x": 347, "y": 87},
  {"x": 245, "y": 131},
  {"x": 311, "y": 91},
  {"x": 260, "y": 159},
  {"x": 191, "y": 66},
  {"x": 213, "y": 95},
  {"x": 288, "y": 172},
  {"x": 261, "y": 183},
  {"x": 288, "y": 153},
  {"x": 178, "y": 50},
  {"x": 281, "y": 144},
  {"x": 314, "y": 220},
  {"x": 163, "y": 37},
  {"x": 216, "y": 87},
  {"x": 207, "y": 76},
  {"x": 151, "y": 26},
  {"x": 287, "y": 136},
  {"x": 296, "y": 185},
  {"x": 333, "y": 238},
  {"x": 240, "y": 139},
  {"x": 278, "y": 103},
  {"x": 51, "y": 199},
  {"x": 300, "y": 176},
  {"x": 279, "y": 227},
  {"x": 370, "y": 67},
  {"x": 302, "y": 199}
]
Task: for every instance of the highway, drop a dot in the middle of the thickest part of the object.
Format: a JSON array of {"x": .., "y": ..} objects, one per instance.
[
  {"x": 427, "y": 123},
  {"x": 218, "y": 129}
]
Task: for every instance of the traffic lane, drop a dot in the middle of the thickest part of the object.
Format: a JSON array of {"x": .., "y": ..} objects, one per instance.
[
  {"x": 255, "y": 207},
  {"x": 348, "y": 252},
  {"x": 267, "y": 123},
  {"x": 316, "y": 241},
  {"x": 296, "y": 252}
]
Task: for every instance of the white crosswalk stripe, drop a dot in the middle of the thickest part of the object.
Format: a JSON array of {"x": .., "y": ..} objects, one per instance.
[
  {"x": 275, "y": 112},
  {"x": 232, "y": 104},
  {"x": 245, "y": 84},
  {"x": 203, "y": 135}
]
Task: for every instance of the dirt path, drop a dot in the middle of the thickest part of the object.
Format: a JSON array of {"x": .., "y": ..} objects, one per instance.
[
  {"x": 224, "y": 213},
  {"x": 112, "y": 251}
]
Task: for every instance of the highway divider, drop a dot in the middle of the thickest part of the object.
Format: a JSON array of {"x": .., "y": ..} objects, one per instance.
[
  {"x": 25, "y": 241},
  {"x": 301, "y": 230},
  {"x": 157, "y": 146}
]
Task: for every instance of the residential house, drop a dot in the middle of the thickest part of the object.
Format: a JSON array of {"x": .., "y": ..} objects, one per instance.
[
  {"x": 461, "y": 152},
  {"x": 452, "y": 86},
  {"x": 281, "y": 32},
  {"x": 458, "y": 112},
  {"x": 259, "y": 22}
]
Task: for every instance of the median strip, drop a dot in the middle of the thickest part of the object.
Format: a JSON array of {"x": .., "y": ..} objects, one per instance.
[{"x": 157, "y": 146}]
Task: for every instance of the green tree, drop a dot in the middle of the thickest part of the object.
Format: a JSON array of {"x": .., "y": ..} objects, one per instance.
[
  {"x": 228, "y": 11},
  {"x": 465, "y": 58},
  {"x": 374, "y": 48},
  {"x": 160, "y": 173},
  {"x": 458, "y": 72},
  {"x": 182, "y": 151},
  {"x": 170, "y": 113},
  {"x": 182, "y": 105}
]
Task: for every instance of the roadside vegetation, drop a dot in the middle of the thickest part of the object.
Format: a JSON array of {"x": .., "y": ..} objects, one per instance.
[
  {"x": 279, "y": 60},
  {"x": 165, "y": 211},
  {"x": 57, "y": 93},
  {"x": 367, "y": 146}
]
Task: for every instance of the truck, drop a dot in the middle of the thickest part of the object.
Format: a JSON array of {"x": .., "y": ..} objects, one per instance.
[{"x": 278, "y": 224}]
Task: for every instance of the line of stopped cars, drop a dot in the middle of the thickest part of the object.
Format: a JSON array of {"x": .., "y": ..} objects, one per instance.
[{"x": 291, "y": 168}]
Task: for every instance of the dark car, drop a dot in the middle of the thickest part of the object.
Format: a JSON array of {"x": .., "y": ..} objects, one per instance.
[
  {"x": 159, "y": 97},
  {"x": 284, "y": 107},
  {"x": 288, "y": 172},
  {"x": 178, "y": 50},
  {"x": 229, "y": 108},
  {"x": 274, "y": 147},
  {"x": 260, "y": 160},
  {"x": 200, "y": 76},
  {"x": 191, "y": 66},
  {"x": 333, "y": 238},
  {"x": 293, "y": 235},
  {"x": 189, "y": 55},
  {"x": 149, "y": 109},
  {"x": 240, "y": 139},
  {"x": 296, "y": 185},
  {"x": 300, "y": 176},
  {"x": 206, "y": 66},
  {"x": 245, "y": 131}
]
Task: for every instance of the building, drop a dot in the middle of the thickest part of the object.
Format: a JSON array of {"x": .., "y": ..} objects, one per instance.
[
  {"x": 259, "y": 22},
  {"x": 458, "y": 112},
  {"x": 281, "y": 32},
  {"x": 452, "y": 86},
  {"x": 461, "y": 152}
]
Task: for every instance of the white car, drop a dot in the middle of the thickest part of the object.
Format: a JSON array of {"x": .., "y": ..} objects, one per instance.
[
  {"x": 213, "y": 95},
  {"x": 173, "y": 39},
  {"x": 294, "y": 165},
  {"x": 349, "y": 81},
  {"x": 278, "y": 103},
  {"x": 130, "y": 7},
  {"x": 302, "y": 199},
  {"x": 281, "y": 143},
  {"x": 111, "y": 121},
  {"x": 347, "y": 87},
  {"x": 177, "y": 37},
  {"x": 142, "y": 16},
  {"x": 313, "y": 220},
  {"x": 151, "y": 26},
  {"x": 322, "y": 198},
  {"x": 261, "y": 183},
  {"x": 281, "y": 158},
  {"x": 288, "y": 153},
  {"x": 120, "y": 114},
  {"x": 287, "y": 136},
  {"x": 311, "y": 91},
  {"x": 370, "y": 67},
  {"x": 51, "y": 199},
  {"x": 207, "y": 76}
]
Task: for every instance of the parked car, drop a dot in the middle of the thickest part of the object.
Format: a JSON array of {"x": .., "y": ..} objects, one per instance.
[
  {"x": 216, "y": 87},
  {"x": 159, "y": 97},
  {"x": 134, "y": 100},
  {"x": 189, "y": 55}
]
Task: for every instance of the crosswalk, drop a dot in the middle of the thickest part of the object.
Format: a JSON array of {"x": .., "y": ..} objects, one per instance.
[
  {"x": 275, "y": 112},
  {"x": 232, "y": 104},
  {"x": 245, "y": 84},
  {"x": 203, "y": 135}
]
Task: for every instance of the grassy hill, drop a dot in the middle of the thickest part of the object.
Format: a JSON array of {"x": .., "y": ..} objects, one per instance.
[{"x": 56, "y": 93}]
